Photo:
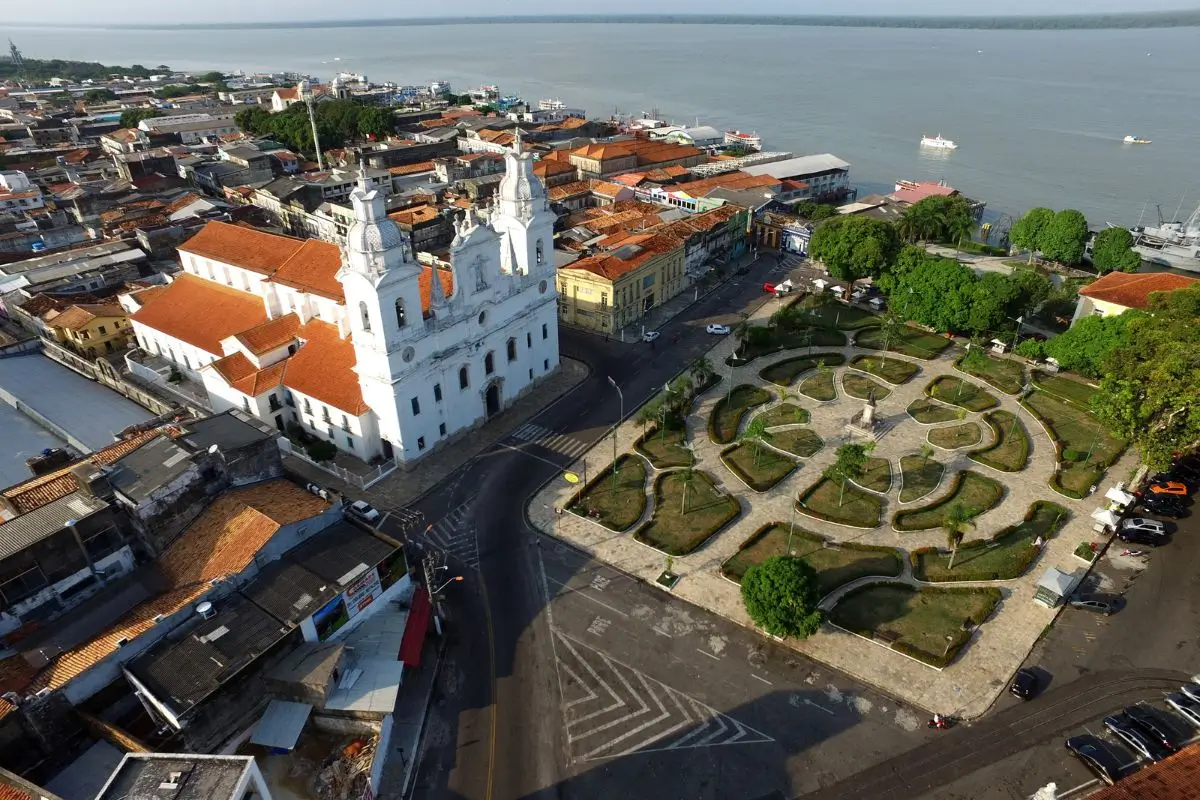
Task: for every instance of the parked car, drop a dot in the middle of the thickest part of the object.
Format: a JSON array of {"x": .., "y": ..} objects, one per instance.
[
  {"x": 1097, "y": 756},
  {"x": 1175, "y": 475},
  {"x": 1154, "y": 726},
  {"x": 1191, "y": 690},
  {"x": 1145, "y": 525},
  {"x": 1169, "y": 487},
  {"x": 650, "y": 336},
  {"x": 363, "y": 512},
  {"x": 1133, "y": 736},
  {"x": 718, "y": 330},
  {"x": 1091, "y": 604},
  {"x": 1024, "y": 684},
  {"x": 1135, "y": 536},
  {"x": 1164, "y": 505},
  {"x": 1185, "y": 707}
]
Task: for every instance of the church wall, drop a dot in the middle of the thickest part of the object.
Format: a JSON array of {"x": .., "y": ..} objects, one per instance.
[
  {"x": 359, "y": 437},
  {"x": 186, "y": 357}
]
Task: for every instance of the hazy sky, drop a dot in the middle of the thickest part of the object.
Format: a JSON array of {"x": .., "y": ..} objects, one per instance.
[{"x": 81, "y": 11}]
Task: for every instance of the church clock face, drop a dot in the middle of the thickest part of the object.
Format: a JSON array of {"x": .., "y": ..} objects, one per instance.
[{"x": 409, "y": 354}]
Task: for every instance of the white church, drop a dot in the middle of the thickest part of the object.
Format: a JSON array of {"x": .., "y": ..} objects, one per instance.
[{"x": 362, "y": 345}]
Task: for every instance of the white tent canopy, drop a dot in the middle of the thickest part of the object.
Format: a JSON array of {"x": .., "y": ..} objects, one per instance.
[
  {"x": 1106, "y": 517},
  {"x": 1119, "y": 495}
]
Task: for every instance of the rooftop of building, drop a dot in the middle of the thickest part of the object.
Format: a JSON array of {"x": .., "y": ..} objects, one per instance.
[
  {"x": 171, "y": 776},
  {"x": 226, "y": 312},
  {"x": 1176, "y": 777},
  {"x": 146, "y": 470},
  {"x": 20, "y": 532},
  {"x": 75, "y": 317},
  {"x": 800, "y": 166},
  {"x": 1133, "y": 290},
  {"x": 230, "y": 432}
]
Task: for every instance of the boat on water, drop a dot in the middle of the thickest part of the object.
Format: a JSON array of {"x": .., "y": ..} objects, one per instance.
[
  {"x": 1170, "y": 244},
  {"x": 938, "y": 143},
  {"x": 1136, "y": 140},
  {"x": 751, "y": 141}
]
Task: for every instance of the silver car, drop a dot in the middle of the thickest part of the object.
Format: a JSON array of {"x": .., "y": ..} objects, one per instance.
[
  {"x": 1151, "y": 526},
  {"x": 1191, "y": 690},
  {"x": 1185, "y": 707}
]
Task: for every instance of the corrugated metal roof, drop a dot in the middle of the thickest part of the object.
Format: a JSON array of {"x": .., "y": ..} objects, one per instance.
[
  {"x": 281, "y": 724},
  {"x": 794, "y": 167},
  {"x": 19, "y": 532}
]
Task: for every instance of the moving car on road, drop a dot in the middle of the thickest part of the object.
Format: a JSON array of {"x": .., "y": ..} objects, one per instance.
[
  {"x": 1024, "y": 684},
  {"x": 1133, "y": 736},
  {"x": 1097, "y": 756},
  {"x": 718, "y": 330},
  {"x": 650, "y": 336},
  {"x": 1091, "y": 604},
  {"x": 363, "y": 511}
]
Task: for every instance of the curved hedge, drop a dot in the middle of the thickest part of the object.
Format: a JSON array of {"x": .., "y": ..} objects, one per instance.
[
  {"x": 723, "y": 424},
  {"x": 989, "y": 491},
  {"x": 1007, "y": 555},
  {"x": 1001, "y": 423}
]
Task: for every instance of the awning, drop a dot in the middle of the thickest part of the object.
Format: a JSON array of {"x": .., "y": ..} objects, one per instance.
[
  {"x": 281, "y": 724},
  {"x": 1118, "y": 495},
  {"x": 414, "y": 631},
  {"x": 1106, "y": 517},
  {"x": 1057, "y": 581}
]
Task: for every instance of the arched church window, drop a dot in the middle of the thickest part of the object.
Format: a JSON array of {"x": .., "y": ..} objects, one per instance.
[
  {"x": 512, "y": 349},
  {"x": 489, "y": 364},
  {"x": 539, "y": 251},
  {"x": 464, "y": 379},
  {"x": 366, "y": 317},
  {"x": 400, "y": 315}
]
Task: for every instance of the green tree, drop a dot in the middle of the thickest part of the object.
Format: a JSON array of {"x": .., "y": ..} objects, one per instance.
[
  {"x": 1033, "y": 289},
  {"x": 756, "y": 433},
  {"x": 462, "y": 100},
  {"x": 376, "y": 122},
  {"x": 926, "y": 452},
  {"x": 211, "y": 77},
  {"x": 1064, "y": 239},
  {"x": 782, "y": 597},
  {"x": 849, "y": 463},
  {"x": 1086, "y": 345},
  {"x": 815, "y": 212},
  {"x": 701, "y": 371},
  {"x": 1150, "y": 388},
  {"x": 938, "y": 218},
  {"x": 992, "y": 296},
  {"x": 1026, "y": 233},
  {"x": 957, "y": 522},
  {"x": 1031, "y": 348},
  {"x": 130, "y": 117},
  {"x": 855, "y": 247},
  {"x": 99, "y": 95},
  {"x": 937, "y": 292},
  {"x": 1113, "y": 251}
]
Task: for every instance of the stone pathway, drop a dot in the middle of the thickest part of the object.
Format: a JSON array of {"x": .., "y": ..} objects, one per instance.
[{"x": 965, "y": 688}]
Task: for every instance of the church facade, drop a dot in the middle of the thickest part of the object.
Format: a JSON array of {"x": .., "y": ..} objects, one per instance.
[{"x": 362, "y": 345}]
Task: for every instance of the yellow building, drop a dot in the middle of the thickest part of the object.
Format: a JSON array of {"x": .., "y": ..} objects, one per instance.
[
  {"x": 90, "y": 329},
  {"x": 607, "y": 291}
]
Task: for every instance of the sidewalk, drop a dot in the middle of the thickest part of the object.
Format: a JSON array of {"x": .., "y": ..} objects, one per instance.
[
  {"x": 408, "y": 723},
  {"x": 968, "y": 686},
  {"x": 403, "y": 487}
]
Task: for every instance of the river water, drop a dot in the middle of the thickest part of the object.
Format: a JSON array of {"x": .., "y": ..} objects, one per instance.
[{"x": 1038, "y": 115}]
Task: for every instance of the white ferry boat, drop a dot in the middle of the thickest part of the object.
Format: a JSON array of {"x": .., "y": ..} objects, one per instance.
[
  {"x": 1136, "y": 140},
  {"x": 751, "y": 141},
  {"x": 938, "y": 143}
]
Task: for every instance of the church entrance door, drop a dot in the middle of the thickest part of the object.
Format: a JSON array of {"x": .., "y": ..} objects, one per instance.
[{"x": 493, "y": 399}]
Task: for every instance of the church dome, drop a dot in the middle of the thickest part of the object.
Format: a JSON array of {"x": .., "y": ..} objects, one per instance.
[
  {"x": 519, "y": 185},
  {"x": 374, "y": 236}
]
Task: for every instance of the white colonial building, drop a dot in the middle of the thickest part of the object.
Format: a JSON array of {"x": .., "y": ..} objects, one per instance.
[{"x": 361, "y": 344}]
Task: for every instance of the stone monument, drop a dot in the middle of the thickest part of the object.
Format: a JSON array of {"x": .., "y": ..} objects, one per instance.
[{"x": 864, "y": 423}]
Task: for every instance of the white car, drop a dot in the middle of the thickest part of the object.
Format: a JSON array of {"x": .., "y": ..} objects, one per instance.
[
  {"x": 1151, "y": 526},
  {"x": 650, "y": 336},
  {"x": 718, "y": 330},
  {"x": 1185, "y": 707},
  {"x": 363, "y": 511}
]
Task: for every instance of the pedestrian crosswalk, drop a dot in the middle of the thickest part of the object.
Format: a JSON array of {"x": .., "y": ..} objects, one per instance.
[
  {"x": 532, "y": 433},
  {"x": 454, "y": 534}
]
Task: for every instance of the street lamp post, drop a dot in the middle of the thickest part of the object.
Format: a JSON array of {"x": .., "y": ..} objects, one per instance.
[
  {"x": 1017, "y": 336},
  {"x": 455, "y": 579},
  {"x": 617, "y": 424}
]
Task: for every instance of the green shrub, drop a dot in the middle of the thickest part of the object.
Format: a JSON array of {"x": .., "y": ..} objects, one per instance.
[{"x": 320, "y": 450}]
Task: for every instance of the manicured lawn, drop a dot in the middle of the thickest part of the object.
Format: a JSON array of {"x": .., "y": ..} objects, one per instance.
[
  {"x": 877, "y": 475},
  {"x": 1003, "y": 373},
  {"x": 1006, "y": 555},
  {"x": 760, "y": 471},
  {"x": 800, "y": 442},
  {"x": 819, "y": 386},
  {"x": 617, "y": 509},
  {"x": 893, "y": 370},
  {"x": 676, "y": 531},
  {"x": 926, "y": 623},
  {"x": 1010, "y": 453},
  {"x": 919, "y": 476},
  {"x": 785, "y": 414},
  {"x": 835, "y": 314},
  {"x": 907, "y": 341},
  {"x": 1065, "y": 388},
  {"x": 836, "y": 564},
  {"x": 953, "y": 437},
  {"x": 930, "y": 412},
  {"x": 728, "y": 412},
  {"x": 861, "y": 386},
  {"x": 858, "y": 508},
  {"x": 974, "y": 492},
  {"x": 778, "y": 339},
  {"x": 958, "y": 392},
  {"x": 783, "y": 373},
  {"x": 1078, "y": 432},
  {"x": 665, "y": 448}
]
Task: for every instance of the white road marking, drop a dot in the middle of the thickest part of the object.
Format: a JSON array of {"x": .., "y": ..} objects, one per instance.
[
  {"x": 808, "y": 702},
  {"x": 759, "y": 678},
  {"x": 581, "y": 593},
  {"x": 710, "y": 655},
  {"x": 550, "y": 440}
]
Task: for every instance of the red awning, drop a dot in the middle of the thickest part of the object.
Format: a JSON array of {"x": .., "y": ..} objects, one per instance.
[{"x": 415, "y": 629}]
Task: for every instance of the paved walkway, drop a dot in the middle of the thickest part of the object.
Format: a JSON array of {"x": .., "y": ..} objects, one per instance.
[{"x": 968, "y": 686}]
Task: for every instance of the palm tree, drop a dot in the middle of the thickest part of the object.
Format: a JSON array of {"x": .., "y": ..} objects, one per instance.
[
  {"x": 958, "y": 520},
  {"x": 646, "y": 414},
  {"x": 687, "y": 476},
  {"x": 702, "y": 370},
  {"x": 756, "y": 432},
  {"x": 926, "y": 452},
  {"x": 742, "y": 332}
]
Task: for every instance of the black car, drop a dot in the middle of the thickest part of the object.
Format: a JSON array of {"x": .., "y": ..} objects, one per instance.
[
  {"x": 1134, "y": 536},
  {"x": 1136, "y": 738},
  {"x": 1097, "y": 756},
  {"x": 1024, "y": 684},
  {"x": 1171, "y": 509},
  {"x": 1154, "y": 726}
]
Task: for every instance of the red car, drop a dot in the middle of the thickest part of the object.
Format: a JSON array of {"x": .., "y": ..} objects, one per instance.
[{"x": 1169, "y": 487}]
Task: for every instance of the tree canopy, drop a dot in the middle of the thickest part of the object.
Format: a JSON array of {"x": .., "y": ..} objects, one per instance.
[
  {"x": 130, "y": 117},
  {"x": 1113, "y": 251},
  {"x": 1084, "y": 346},
  {"x": 855, "y": 247},
  {"x": 338, "y": 122},
  {"x": 37, "y": 69},
  {"x": 781, "y": 596},
  {"x": 809, "y": 209},
  {"x": 942, "y": 218},
  {"x": 1026, "y": 232},
  {"x": 1064, "y": 239},
  {"x": 99, "y": 95},
  {"x": 1151, "y": 385}
]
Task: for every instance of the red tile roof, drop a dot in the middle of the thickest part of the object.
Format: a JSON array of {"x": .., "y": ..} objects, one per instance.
[
  {"x": 248, "y": 248},
  {"x": 923, "y": 189},
  {"x": 412, "y": 169},
  {"x": 1174, "y": 778},
  {"x": 77, "y": 316},
  {"x": 313, "y": 268},
  {"x": 425, "y": 282},
  {"x": 271, "y": 334},
  {"x": 323, "y": 369},
  {"x": 1134, "y": 290},
  {"x": 201, "y": 312}
]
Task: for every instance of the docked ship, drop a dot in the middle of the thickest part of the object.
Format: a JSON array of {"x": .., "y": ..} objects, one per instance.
[
  {"x": 1170, "y": 244},
  {"x": 938, "y": 143},
  {"x": 751, "y": 141},
  {"x": 1135, "y": 140}
]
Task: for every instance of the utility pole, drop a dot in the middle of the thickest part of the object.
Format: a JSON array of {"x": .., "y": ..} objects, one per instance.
[
  {"x": 306, "y": 94},
  {"x": 616, "y": 425}
]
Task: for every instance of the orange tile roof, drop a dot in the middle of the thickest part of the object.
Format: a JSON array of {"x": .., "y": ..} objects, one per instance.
[
  {"x": 425, "y": 283},
  {"x": 182, "y": 202},
  {"x": 1133, "y": 290},
  {"x": 290, "y": 93},
  {"x": 270, "y": 335},
  {"x": 412, "y": 169},
  {"x": 414, "y": 215},
  {"x": 611, "y": 268},
  {"x": 201, "y": 312},
  {"x": 565, "y": 190},
  {"x": 607, "y": 189},
  {"x": 11, "y": 792},
  {"x": 734, "y": 181},
  {"x": 1176, "y": 777},
  {"x": 313, "y": 268},
  {"x": 37, "y": 492},
  {"x": 323, "y": 369},
  {"x": 248, "y": 248},
  {"x": 553, "y": 164},
  {"x": 144, "y": 296},
  {"x": 76, "y": 316}
]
